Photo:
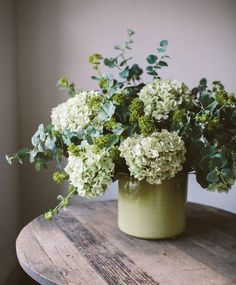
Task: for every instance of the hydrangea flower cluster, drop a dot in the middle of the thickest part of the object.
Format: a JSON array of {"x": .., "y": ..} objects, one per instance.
[
  {"x": 142, "y": 129},
  {"x": 76, "y": 113},
  {"x": 155, "y": 158},
  {"x": 163, "y": 96},
  {"x": 89, "y": 171}
]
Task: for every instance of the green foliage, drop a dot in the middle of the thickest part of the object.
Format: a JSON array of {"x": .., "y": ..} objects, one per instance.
[
  {"x": 111, "y": 124},
  {"x": 127, "y": 72},
  {"x": 114, "y": 153},
  {"x": 19, "y": 156},
  {"x": 157, "y": 61},
  {"x": 136, "y": 110},
  {"x": 47, "y": 146},
  {"x": 64, "y": 202},
  {"x": 105, "y": 141},
  {"x": 94, "y": 102},
  {"x": 68, "y": 87},
  {"x": 106, "y": 111},
  {"x": 118, "y": 98},
  {"x": 214, "y": 113},
  {"x": 74, "y": 149},
  {"x": 146, "y": 125},
  {"x": 60, "y": 176},
  {"x": 95, "y": 59},
  {"x": 206, "y": 123}
]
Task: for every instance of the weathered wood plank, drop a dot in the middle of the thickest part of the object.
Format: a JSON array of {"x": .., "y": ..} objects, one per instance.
[
  {"x": 50, "y": 258},
  {"x": 34, "y": 261},
  {"x": 84, "y": 246},
  {"x": 64, "y": 254},
  {"x": 165, "y": 253},
  {"x": 110, "y": 262}
]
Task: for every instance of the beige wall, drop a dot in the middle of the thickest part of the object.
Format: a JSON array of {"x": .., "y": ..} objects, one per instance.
[
  {"x": 55, "y": 38},
  {"x": 9, "y": 214}
]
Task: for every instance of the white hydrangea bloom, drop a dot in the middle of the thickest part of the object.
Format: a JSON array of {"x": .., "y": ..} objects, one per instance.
[
  {"x": 154, "y": 158},
  {"x": 162, "y": 96},
  {"x": 75, "y": 113},
  {"x": 91, "y": 173}
]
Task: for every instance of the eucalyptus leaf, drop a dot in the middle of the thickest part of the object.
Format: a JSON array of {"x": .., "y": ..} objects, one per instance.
[
  {"x": 113, "y": 139},
  {"x": 162, "y": 63},
  {"x": 8, "y": 159},
  {"x": 218, "y": 160},
  {"x": 212, "y": 177},
  {"x": 106, "y": 111},
  {"x": 151, "y": 59},
  {"x": 163, "y": 44},
  {"x": 125, "y": 73},
  {"x": 50, "y": 143},
  {"x": 206, "y": 99},
  {"x": 119, "y": 129},
  {"x": 33, "y": 154},
  {"x": 66, "y": 139},
  {"x": 110, "y": 62},
  {"x": 227, "y": 174}
]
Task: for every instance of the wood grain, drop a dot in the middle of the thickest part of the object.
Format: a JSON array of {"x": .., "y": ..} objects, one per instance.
[{"x": 83, "y": 245}]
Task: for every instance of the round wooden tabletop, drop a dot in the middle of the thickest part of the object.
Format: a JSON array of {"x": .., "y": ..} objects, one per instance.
[{"x": 83, "y": 245}]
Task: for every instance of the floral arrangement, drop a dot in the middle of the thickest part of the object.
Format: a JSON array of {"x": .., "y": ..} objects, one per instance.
[{"x": 151, "y": 131}]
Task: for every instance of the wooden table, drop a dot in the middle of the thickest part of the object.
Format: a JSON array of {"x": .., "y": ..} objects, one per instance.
[{"x": 84, "y": 246}]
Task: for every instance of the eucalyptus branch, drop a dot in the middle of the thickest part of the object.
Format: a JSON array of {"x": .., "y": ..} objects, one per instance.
[{"x": 64, "y": 203}]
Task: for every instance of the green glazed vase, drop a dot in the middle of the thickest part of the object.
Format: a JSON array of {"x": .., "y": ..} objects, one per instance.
[{"x": 152, "y": 211}]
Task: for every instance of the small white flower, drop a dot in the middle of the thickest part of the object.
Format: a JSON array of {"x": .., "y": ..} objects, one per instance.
[
  {"x": 91, "y": 173},
  {"x": 160, "y": 156},
  {"x": 75, "y": 113},
  {"x": 162, "y": 96}
]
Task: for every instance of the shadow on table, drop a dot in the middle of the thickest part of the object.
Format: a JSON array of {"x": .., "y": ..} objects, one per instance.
[{"x": 208, "y": 237}]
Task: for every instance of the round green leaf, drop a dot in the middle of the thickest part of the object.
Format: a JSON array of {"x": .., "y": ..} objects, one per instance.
[
  {"x": 163, "y": 43},
  {"x": 125, "y": 73},
  {"x": 218, "y": 161},
  {"x": 162, "y": 63},
  {"x": 212, "y": 177},
  {"x": 227, "y": 174},
  {"x": 151, "y": 59}
]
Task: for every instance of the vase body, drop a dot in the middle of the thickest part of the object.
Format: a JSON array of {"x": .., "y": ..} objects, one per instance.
[{"x": 152, "y": 211}]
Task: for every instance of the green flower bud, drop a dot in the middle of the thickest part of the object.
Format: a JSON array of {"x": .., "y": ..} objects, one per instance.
[
  {"x": 146, "y": 125},
  {"x": 178, "y": 117},
  {"x": 118, "y": 99},
  {"x": 63, "y": 82},
  {"x": 213, "y": 124},
  {"x": 136, "y": 109},
  {"x": 114, "y": 153},
  {"x": 95, "y": 60},
  {"x": 59, "y": 177},
  {"x": 101, "y": 142},
  {"x": 48, "y": 216},
  {"x": 111, "y": 124},
  {"x": 221, "y": 95},
  {"x": 202, "y": 118},
  {"x": 74, "y": 150},
  {"x": 94, "y": 102},
  {"x": 104, "y": 84},
  {"x": 232, "y": 100}
]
